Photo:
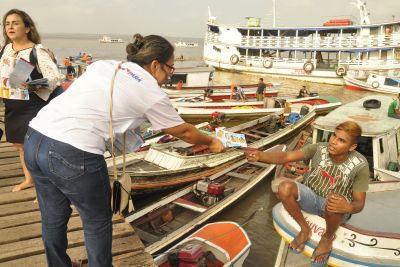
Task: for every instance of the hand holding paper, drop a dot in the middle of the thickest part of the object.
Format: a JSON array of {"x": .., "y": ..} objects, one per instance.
[{"x": 230, "y": 139}]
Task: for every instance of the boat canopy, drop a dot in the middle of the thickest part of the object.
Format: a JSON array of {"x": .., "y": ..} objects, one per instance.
[{"x": 373, "y": 122}]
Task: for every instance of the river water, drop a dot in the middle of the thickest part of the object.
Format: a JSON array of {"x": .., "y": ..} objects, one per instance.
[{"x": 260, "y": 229}]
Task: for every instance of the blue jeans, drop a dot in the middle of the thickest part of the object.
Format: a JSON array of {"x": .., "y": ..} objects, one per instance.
[
  {"x": 63, "y": 175},
  {"x": 312, "y": 203}
]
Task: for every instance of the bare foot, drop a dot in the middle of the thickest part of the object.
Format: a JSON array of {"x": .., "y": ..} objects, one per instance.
[
  {"x": 22, "y": 186},
  {"x": 322, "y": 252},
  {"x": 299, "y": 242}
]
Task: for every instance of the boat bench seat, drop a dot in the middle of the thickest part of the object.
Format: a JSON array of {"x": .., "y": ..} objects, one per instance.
[{"x": 190, "y": 205}]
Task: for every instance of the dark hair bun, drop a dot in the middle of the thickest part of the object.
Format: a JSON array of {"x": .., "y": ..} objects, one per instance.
[{"x": 134, "y": 47}]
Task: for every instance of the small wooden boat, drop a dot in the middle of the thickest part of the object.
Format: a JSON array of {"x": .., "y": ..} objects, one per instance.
[
  {"x": 172, "y": 217},
  {"x": 380, "y": 134},
  {"x": 376, "y": 83},
  {"x": 169, "y": 165},
  {"x": 215, "y": 244},
  {"x": 322, "y": 104},
  {"x": 292, "y": 171},
  {"x": 369, "y": 238}
]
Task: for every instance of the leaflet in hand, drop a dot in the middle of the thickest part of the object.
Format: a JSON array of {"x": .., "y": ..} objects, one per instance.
[
  {"x": 6, "y": 91},
  {"x": 230, "y": 139},
  {"x": 20, "y": 73}
]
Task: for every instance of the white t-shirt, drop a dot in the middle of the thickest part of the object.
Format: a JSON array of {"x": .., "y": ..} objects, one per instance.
[{"x": 80, "y": 116}]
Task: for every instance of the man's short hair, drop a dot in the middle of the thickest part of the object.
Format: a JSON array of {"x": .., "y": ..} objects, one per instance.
[
  {"x": 261, "y": 79},
  {"x": 351, "y": 128}
]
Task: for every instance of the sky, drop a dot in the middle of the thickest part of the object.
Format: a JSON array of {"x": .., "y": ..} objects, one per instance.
[{"x": 185, "y": 18}]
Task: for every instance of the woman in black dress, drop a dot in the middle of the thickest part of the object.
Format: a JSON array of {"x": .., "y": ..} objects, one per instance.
[{"x": 20, "y": 39}]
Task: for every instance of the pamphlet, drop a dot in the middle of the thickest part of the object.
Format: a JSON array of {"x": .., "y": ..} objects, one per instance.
[
  {"x": 20, "y": 73},
  {"x": 6, "y": 91},
  {"x": 230, "y": 139}
]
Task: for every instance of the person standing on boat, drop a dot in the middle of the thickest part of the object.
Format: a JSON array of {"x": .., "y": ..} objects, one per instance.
[
  {"x": 394, "y": 108},
  {"x": 240, "y": 95},
  {"x": 260, "y": 89},
  {"x": 334, "y": 188},
  {"x": 20, "y": 38},
  {"x": 65, "y": 143}
]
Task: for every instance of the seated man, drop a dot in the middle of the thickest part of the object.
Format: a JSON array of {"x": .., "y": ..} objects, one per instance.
[
  {"x": 334, "y": 188},
  {"x": 303, "y": 92},
  {"x": 394, "y": 108}
]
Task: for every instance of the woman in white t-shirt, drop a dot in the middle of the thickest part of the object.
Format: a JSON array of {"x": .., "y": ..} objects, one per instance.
[{"x": 66, "y": 142}]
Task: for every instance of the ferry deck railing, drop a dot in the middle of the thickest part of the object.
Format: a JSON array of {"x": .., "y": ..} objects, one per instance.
[{"x": 312, "y": 42}]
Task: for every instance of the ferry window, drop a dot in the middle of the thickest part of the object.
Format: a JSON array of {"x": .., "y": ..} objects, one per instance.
[
  {"x": 270, "y": 33},
  {"x": 243, "y": 32},
  {"x": 381, "y": 145},
  {"x": 242, "y": 51},
  {"x": 253, "y": 52},
  {"x": 255, "y": 33}
]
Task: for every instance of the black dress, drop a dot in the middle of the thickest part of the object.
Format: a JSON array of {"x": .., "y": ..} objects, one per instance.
[{"x": 18, "y": 113}]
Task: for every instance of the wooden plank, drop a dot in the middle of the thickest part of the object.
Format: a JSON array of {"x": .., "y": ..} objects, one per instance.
[
  {"x": 120, "y": 246},
  {"x": 133, "y": 259},
  {"x": 25, "y": 218},
  {"x": 148, "y": 237},
  {"x": 251, "y": 135},
  {"x": 260, "y": 164},
  {"x": 13, "y": 197},
  {"x": 190, "y": 205},
  {"x": 10, "y": 154},
  {"x": 9, "y": 160},
  {"x": 259, "y": 132},
  {"x": 34, "y": 246},
  {"x": 239, "y": 175},
  {"x": 8, "y": 182},
  {"x": 10, "y": 166},
  {"x": 11, "y": 173},
  {"x": 16, "y": 208},
  {"x": 14, "y": 234}
]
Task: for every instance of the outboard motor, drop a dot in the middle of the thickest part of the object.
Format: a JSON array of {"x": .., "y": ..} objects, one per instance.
[{"x": 210, "y": 192}]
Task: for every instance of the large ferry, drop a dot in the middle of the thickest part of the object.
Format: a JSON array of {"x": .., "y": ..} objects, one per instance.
[{"x": 319, "y": 54}]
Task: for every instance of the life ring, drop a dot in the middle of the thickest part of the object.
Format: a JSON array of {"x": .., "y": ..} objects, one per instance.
[
  {"x": 375, "y": 84},
  {"x": 308, "y": 67},
  {"x": 267, "y": 63},
  {"x": 296, "y": 168},
  {"x": 234, "y": 59},
  {"x": 341, "y": 71},
  {"x": 372, "y": 103}
]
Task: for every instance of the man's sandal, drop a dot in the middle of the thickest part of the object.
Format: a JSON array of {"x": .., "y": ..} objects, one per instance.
[
  {"x": 322, "y": 263},
  {"x": 294, "y": 245}
]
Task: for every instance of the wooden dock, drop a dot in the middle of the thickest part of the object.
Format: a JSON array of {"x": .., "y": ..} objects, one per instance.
[{"x": 20, "y": 224}]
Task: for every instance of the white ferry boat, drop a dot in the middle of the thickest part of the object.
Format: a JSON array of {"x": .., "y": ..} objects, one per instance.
[
  {"x": 186, "y": 44},
  {"x": 108, "y": 39},
  {"x": 318, "y": 54}
]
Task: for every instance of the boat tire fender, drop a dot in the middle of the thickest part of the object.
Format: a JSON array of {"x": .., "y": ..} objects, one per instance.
[
  {"x": 341, "y": 71},
  {"x": 296, "y": 168},
  {"x": 375, "y": 84},
  {"x": 372, "y": 103},
  {"x": 267, "y": 63},
  {"x": 308, "y": 67},
  {"x": 234, "y": 59}
]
